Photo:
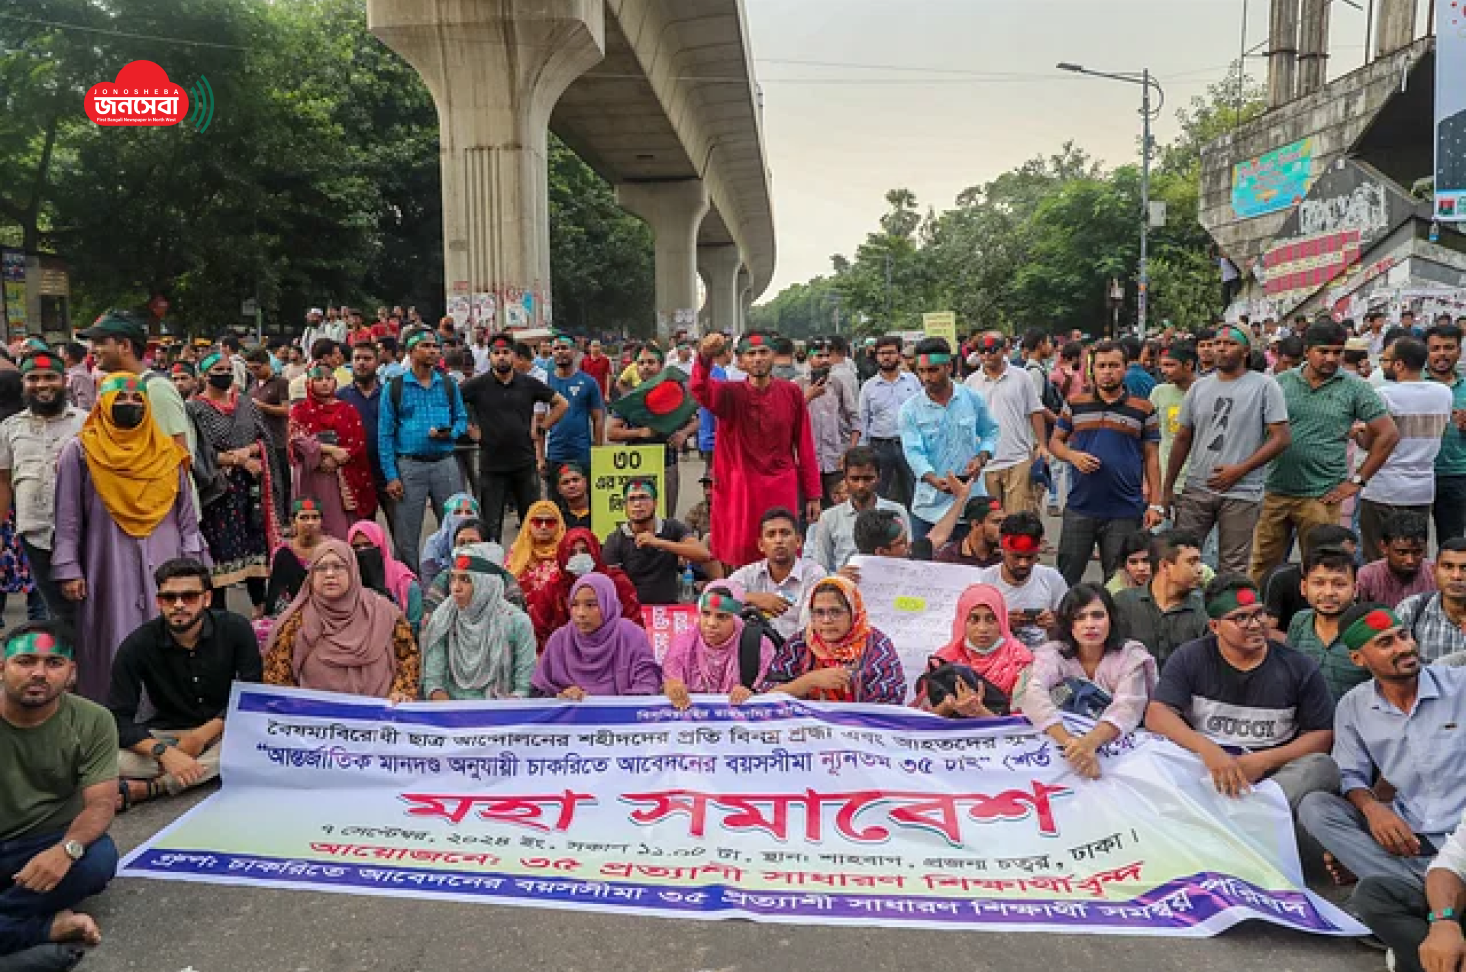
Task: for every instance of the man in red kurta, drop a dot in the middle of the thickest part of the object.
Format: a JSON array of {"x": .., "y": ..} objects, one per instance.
[{"x": 764, "y": 455}]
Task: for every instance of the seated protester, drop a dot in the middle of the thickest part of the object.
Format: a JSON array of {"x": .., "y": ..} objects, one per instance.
[
  {"x": 1135, "y": 569},
  {"x": 58, "y": 788},
  {"x": 1403, "y": 570},
  {"x": 981, "y": 545},
  {"x": 878, "y": 533},
  {"x": 779, "y": 585},
  {"x": 833, "y": 543},
  {"x": 1402, "y": 726},
  {"x": 1167, "y": 612},
  {"x": 1265, "y": 702},
  {"x": 1423, "y": 929},
  {"x": 598, "y": 652},
  {"x": 532, "y": 555},
  {"x": 839, "y": 657},
  {"x": 288, "y": 566},
  {"x": 1437, "y": 622},
  {"x": 186, "y": 659},
  {"x": 982, "y": 642},
  {"x": 1031, "y": 590},
  {"x": 382, "y": 572},
  {"x": 721, "y": 655},
  {"x": 469, "y": 531},
  {"x": 439, "y": 546},
  {"x": 951, "y": 691},
  {"x": 477, "y": 645},
  {"x": 579, "y": 555},
  {"x": 1283, "y": 586},
  {"x": 341, "y": 636},
  {"x": 650, "y": 549},
  {"x": 573, "y": 486},
  {"x": 1089, "y": 669},
  {"x": 1328, "y": 586}
]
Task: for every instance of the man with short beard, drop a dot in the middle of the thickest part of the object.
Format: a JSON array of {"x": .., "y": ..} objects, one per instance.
[
  {"x": 30, "y": 444},
  {"x": 365, "y": 395},
  {"x": 1329, "y": 584},
  {"x": 879, "y": 410}
]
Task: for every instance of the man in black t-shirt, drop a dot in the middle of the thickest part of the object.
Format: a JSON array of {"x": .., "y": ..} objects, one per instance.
[
  {"x": 501, "y": 405},
  {"x": 1283, "y": 587},
  {"x": 1265, "y": 703},
  {"x": 649, "y": 549}
]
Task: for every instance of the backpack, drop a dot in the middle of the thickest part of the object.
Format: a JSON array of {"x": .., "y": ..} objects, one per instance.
[
  {"x": 1051, "y": 398},
  {"x": 755, "y": 630}
]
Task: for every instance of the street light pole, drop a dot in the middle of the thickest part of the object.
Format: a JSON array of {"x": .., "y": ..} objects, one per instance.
[{"x": 1147, "y": 115}]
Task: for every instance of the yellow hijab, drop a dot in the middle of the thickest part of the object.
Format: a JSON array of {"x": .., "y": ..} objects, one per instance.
[
  {"x": 526, "y": 552},
  {"x": 135, "y": 471}
]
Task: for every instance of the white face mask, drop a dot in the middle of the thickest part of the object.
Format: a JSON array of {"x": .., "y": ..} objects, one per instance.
[{"x": 581, "y": 564}]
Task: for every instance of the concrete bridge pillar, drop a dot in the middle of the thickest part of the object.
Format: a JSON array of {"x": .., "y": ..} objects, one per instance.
[
  {"x": 674, "y": 211},
  {"x": 745, "y": 299},
  {"x": 496, "y": 71},
  {"x": 1313, "y": 46},
  {"x": 1282, "y": 63},
  {"x": 719, "y": 266},
  {"x": 1396, "y": 26}
]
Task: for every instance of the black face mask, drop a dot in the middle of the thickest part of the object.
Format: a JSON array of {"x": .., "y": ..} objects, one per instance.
[
  {"x": 55, "y": 406},
  {"x": 127, "y": 415},
  {"x": 373, "y": 570},
  {"x": 222, "y": 382}
]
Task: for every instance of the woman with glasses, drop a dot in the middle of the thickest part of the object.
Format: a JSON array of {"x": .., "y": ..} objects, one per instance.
[
  {"x": 477, "y": 645},
  {"x": 598, "y": 652},
  {"x": 982, "y": 641},
  {"x": 1090, "y": 670},
  {"x": 341, "y": 636},
  {"x": 838, "y": 657},
  {"x": 533, "y": 557}
]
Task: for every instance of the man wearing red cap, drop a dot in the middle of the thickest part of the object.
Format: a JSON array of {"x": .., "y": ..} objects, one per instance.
[{"x": 764, "y": 455}]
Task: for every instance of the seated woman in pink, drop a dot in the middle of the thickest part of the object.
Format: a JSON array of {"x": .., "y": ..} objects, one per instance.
[
  {"x": 712, "y": 657},
  {"x": 1090, "y": 670},
  {"x": 982, "y": 641}
]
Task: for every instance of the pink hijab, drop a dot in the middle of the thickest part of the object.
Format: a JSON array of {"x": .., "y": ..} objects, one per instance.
[
  {"x": 1009, "y": 657},
  {"x": 344, "y": 643},
  {"x": 706, "y": 667},
  {"x": 399, "y": 577}
]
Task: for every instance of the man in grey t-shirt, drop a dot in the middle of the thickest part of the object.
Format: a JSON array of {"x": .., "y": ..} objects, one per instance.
[{"x": 1232, "y": 424}]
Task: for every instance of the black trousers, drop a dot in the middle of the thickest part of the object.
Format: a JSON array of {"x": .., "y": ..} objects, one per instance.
[
  {"x": 498, "y": 488},
  {"x": 896, "y": 483},
  {"x": 1395, "y": 911}
]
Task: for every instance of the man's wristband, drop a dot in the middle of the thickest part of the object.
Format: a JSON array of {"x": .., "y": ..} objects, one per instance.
[{"x": 1445, "y": 914}]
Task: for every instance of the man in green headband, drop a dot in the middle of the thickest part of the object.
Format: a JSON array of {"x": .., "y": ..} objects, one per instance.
[
  {"x": 1251, "y": 708},
  {"x": 650, "y": 549},
  {"x": 1403, "y": 726},
  {"x": 58, "y": 788}
]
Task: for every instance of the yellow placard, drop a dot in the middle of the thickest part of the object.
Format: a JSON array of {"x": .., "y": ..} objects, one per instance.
[
  {"x": 908, "y": 603},
  {"x": 611, "y": 468},
  {"x": 942, "y": 324}
]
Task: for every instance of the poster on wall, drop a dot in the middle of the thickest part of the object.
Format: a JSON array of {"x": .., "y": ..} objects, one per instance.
[
  {"x": 1273, "y": 181},
  {"x": 1450, "y": 112},
  {"x": 12, "y": 272}
]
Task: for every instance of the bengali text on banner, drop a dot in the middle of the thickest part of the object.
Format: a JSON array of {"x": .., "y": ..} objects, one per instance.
[{"x": 778, "y": 810}]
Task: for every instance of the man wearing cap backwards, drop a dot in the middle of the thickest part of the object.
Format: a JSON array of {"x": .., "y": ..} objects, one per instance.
[
  {"x": 1310, "y": 480},
  {"x": 1264, "y": 702},
  {"x": 30, "y": 444},
  {"x": 764, "y": 455},
  {"x": 58, "y": 787},
  {"x": 1403, "y": 726}
]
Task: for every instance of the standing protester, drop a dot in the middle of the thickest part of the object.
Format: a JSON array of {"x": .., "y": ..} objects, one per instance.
[
  {"x": 765, "y": 453},
  {"x": 503, "y": 406},
  {"x": 833, "y": 538},
  {"x": 1310, "y": 480},
  {"x": 30, "y": 445},
  {"x": 421, "y": 417},
  {"x": 81, "y": 387},
  {"x": 1015, "y": 403},
  {"x": 1138, "y": 382},
  {"x": 595, "y": 363},
  {"x": 1111, "y": 437},
  {"x": 1443, "y": 356},
  {"x": 364, "y": 394},
  {"x": 1178, "y": 368},
  {"x": 1422, "y": 413},
  {"x": 271, "y": 395},
  {"x": 328, "y": 450},
  {"x": 1232, "y": 423},
  {"x": 879, "y": 408},
  {"x": 584, "y": 423},
  {"x": 830, "y": 397},
  {"x": 945, "y": 431},
  {"x": 122, "y": 508}
]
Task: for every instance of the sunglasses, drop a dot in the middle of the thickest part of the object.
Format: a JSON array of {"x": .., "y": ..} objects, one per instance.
[
  {"x": 542, "y": 521},
  {"x": 180, "y": 597}
]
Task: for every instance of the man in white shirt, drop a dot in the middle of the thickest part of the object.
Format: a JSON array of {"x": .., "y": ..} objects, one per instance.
[
  {"x": 1014, "y": 403},
  {"x": 1421, "y": 410},
  {"x": 1031, "y": 590},
  {"x": 832, "y": 538},
  {"x": 779, "y": 585},
  {"x": 879, "y": 418}
]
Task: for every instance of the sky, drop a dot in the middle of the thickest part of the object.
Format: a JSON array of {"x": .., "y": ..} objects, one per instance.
[{"x": 939, "y": 95}]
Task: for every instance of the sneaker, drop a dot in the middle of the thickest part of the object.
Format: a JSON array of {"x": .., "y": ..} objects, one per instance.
[{"x": 1390, "y": 959}]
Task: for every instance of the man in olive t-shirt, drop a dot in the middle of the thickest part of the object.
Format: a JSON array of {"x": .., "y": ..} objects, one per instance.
[{"x": 58, "y": 790}]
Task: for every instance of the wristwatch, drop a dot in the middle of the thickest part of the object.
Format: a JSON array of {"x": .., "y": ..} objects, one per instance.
[
  {"x": 1358, "y": 480},
  {"x": 159, "y": 748},
  {"x": 74, "y": 849},
  {"x": 1445, "y": 914}
]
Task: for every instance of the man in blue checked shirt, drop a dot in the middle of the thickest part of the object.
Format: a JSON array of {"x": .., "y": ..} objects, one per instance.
[
  {"x": 945, "y": 431},
  {"x": 422, "y": 416}
]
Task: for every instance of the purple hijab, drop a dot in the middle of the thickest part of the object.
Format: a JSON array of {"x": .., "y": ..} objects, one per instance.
[{"x": 615, "y": 659}]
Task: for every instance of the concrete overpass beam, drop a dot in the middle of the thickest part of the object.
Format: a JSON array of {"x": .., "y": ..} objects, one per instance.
[
  {"x": 496, "y": 71},
  {"x": 719, "y": 266},
  {"x": 745, "y": 299},
  {"x": 674, "y": 211}
]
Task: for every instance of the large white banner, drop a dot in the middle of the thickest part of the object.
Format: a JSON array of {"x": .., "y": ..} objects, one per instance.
[
  {"x": 1450, "y": 111},
  {"x": 778, "y": 810}
]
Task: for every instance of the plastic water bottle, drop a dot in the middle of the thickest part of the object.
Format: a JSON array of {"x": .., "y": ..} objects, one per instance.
[{"x": 688, "y": 592}]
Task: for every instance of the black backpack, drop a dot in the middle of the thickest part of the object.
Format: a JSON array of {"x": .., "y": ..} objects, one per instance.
[
  {"x": 1052, "y": 399},
  {"x": 755, "y": 629}
]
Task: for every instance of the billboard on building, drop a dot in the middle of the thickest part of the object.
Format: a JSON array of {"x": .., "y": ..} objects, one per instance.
[
  {"x": 1273, "y": 181},
  {"x": 1450, "y": 112}
]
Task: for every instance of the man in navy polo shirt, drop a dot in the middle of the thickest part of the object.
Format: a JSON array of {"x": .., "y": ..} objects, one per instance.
[
  {"x": 584, "y": 424},
  {"x": 1112, "y": 438}
]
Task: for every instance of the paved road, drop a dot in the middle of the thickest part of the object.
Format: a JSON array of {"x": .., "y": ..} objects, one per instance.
[{"x": 168, "y": 926}]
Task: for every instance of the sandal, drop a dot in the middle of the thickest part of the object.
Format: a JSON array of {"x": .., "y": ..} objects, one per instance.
[{"x": 124, "y": 796}]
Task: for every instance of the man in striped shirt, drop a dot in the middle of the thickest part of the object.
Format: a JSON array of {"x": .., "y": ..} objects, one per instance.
[{"x": 1112, "y": 438}]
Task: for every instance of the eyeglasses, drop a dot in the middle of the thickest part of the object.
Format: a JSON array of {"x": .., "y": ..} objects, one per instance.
[
  {"x": 828, "y": 614},
  {"x": 180, "y": 597},
  {"x": 1254, "y": 619},
  {"x": 331, "y": 567},
  {"x": 542, "y": 521}
]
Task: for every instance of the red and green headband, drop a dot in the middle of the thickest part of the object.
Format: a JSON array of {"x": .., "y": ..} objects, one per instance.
[
  {"x": 305, "y": 506},
  {"x": 645, "y": 485},
  {"x": 932, "y": 359},
  {"x": 720, "y": 600},
  {"x": 418, "y": 338},
  {"x": 1232, "y": 599},
  {"x": 749, "y": 342},
  {"x": 182, "y": 368},
  {"x": 123, "y": 383},
  {"x": 471, "y": 564},
  {"x": 41, "y": 361},
  {"x": 321, "y": 371},
  {"x": 1369, "y": 627},
  {"x": 1021, "y": 543},
  {"x": 37, "y": 643}
]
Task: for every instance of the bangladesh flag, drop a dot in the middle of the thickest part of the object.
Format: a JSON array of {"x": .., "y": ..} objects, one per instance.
[{"x": 663, "y": 404}]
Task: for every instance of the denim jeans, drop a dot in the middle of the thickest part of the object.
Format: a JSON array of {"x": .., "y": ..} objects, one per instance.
[{"x": 26, "y": 916}]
